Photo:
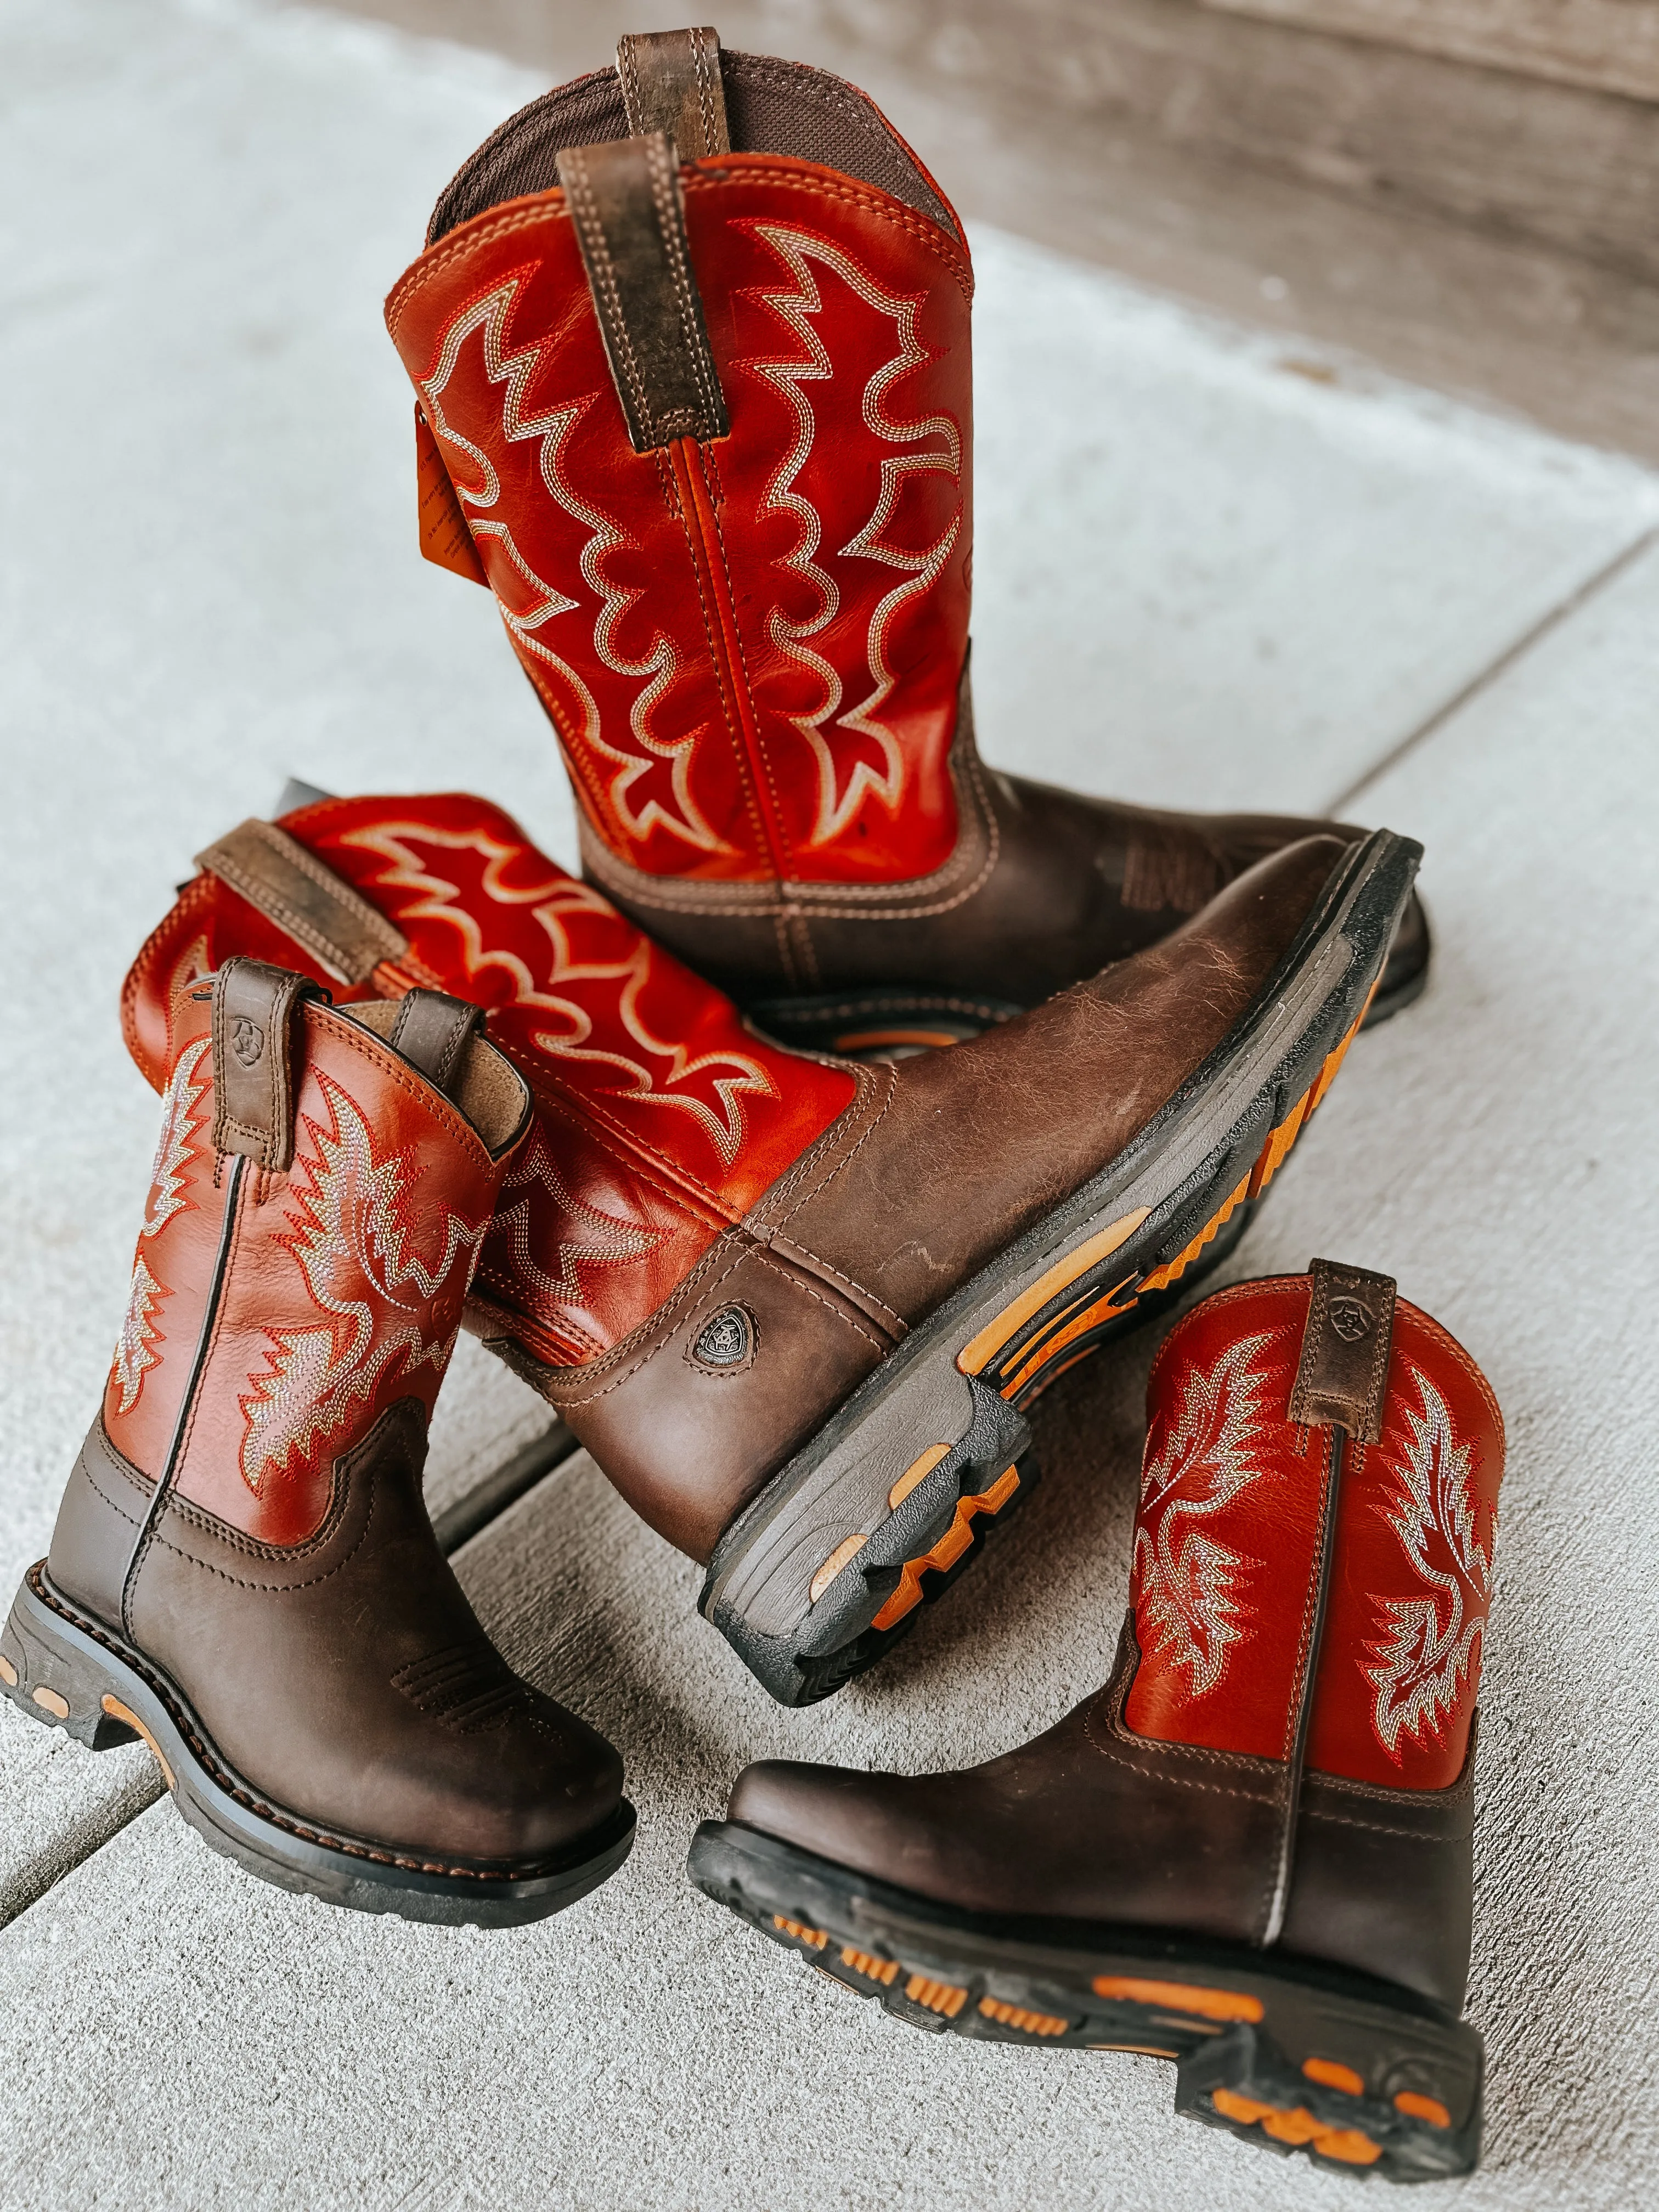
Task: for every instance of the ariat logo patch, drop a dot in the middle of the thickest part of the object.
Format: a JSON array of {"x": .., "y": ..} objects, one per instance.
[
  {"x": 1352, "y": 1320},
  {"x": 247, "y": 1040},
  {"x": 727, "y": 1341}
]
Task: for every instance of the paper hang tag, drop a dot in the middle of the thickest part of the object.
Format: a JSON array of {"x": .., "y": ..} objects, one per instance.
[{"x": 446, "y": 540}]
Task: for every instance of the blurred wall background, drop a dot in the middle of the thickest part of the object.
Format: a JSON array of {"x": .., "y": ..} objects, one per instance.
[{"x": 1466, "y": 191}]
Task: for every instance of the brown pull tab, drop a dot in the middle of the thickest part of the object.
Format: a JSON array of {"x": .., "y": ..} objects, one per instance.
[
  {"x": 306, "y": 899},
  {"x": 1341, "y": 1381},
  {"x": 255, "y": 1024},
  {"x": 624, "y": 199},
  {"x": 672, "y": 83},
  {"x": 446, "y": 535},
  {"x": 1342, "y": 1378},
  {"x": 432, "y": 1032}
]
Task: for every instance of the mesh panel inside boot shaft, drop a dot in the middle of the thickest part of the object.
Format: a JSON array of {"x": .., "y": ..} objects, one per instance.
[{"x": 772, "y": 106}]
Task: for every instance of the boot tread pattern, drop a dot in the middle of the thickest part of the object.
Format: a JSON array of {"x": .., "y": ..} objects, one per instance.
[{"x": 1280, "y": 2051}]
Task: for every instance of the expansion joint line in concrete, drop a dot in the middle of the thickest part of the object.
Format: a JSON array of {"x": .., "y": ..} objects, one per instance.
[{"x": 1545, "y": 626}]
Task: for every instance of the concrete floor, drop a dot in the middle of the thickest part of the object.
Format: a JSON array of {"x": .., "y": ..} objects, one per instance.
[{"x": 1253, "y": 573}]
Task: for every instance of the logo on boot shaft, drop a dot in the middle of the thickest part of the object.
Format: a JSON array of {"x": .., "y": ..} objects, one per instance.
[
  {"x": 727, "y": 1341},
  {"x": 247, "y": 1040},
  {"x": 1352, "y": 1320}
]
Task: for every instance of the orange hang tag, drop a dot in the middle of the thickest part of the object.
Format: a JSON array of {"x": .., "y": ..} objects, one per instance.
[{"x": 446, "y": 540}]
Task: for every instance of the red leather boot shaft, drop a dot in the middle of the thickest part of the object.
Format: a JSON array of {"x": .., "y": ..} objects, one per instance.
[
  {"x": 341, "y": 1285},
  {"x": 1224, "y": 1580},
  {"x": 659, "y": 1116},
  {"x": 751, "y": 647}
]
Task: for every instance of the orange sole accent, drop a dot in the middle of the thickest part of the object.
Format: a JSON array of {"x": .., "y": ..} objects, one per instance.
[
  {"x": 1295, "y": 2124},
  {"x": 1268, "y": 1161},
  {"x": 1173, "y": 1270},
  {"x": 848, "y": 1548},
  {"x": 978, "y": 1354},
  {"x": 7, "y": 1672},
  {"x": 118, "y": 1712},
  {"x": 918, "y": 1471},
  {"x": 948, "y": 1550},
  {"x": 817, "y": 1937},
  {"x": 1278, "y": 1145},
  {"x": 1029, "y": 2023},
  {"x": 1092, "y": 1316},
  {"x": 50, "y": 1702},
  {"x": 938, "y": 1997},
  {"x": 1181, "y": 1997},
  {"x": 1335, "y": 1056},
  {"x": 1331, "y": 2074},
  {"x": 867, "y": 1040},
  {"x": 1422, "y": 2108},
  {"x": 1052, "y": 1375},
  {"x": 884, "y": 1971}
]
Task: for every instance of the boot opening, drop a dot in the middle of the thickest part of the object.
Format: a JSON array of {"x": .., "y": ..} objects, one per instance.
[{"x": 772, "y": 106}]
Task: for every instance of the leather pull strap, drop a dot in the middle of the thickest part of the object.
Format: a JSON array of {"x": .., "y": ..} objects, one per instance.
[
  {"x": 624, "y": 199},
  {"x": 1342, "y": 1378},
  {"x": 317, "y": 909},
  {"x": 1342, "y": 1382},
  {"x": 671, "y": 82},
  {"x": 255, "y": 1028},
  {"x": 432, "y": 1031}
]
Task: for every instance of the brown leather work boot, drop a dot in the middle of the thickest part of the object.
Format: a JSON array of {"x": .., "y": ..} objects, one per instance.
[
  {"x": 1251, "y": 1851},
  {"x": 793, "y": 1306},
  {"x": 243, "y": 1571},
  {"x": 690, "y": 348}
]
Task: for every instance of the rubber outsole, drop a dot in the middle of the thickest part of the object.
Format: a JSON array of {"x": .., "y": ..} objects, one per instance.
[
  {"x": 62, "y": 1669},
  {"x": 814, "y": 1580},
  {"x": 1287, "y": 2053}
]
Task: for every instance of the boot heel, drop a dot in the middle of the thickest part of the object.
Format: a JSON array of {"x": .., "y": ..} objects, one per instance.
[
  {"x": 866, "y": 1594},
  {"x": 1374, "y": 2088},
  {"x": 55, "y": 1680}
]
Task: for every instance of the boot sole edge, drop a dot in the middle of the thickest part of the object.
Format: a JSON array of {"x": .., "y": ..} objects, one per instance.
[
  {"x": 109, "y": 1694},
  {"x": 1240, "y": 2023}
]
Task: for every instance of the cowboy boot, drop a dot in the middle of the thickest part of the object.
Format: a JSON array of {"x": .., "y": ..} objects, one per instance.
[
  {"x": 794, "y": 1307},
  {"x": 243, "y": 1572},
  {"x": 690, "y": 347},
  {"x": 1251, "y": 1851}
]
